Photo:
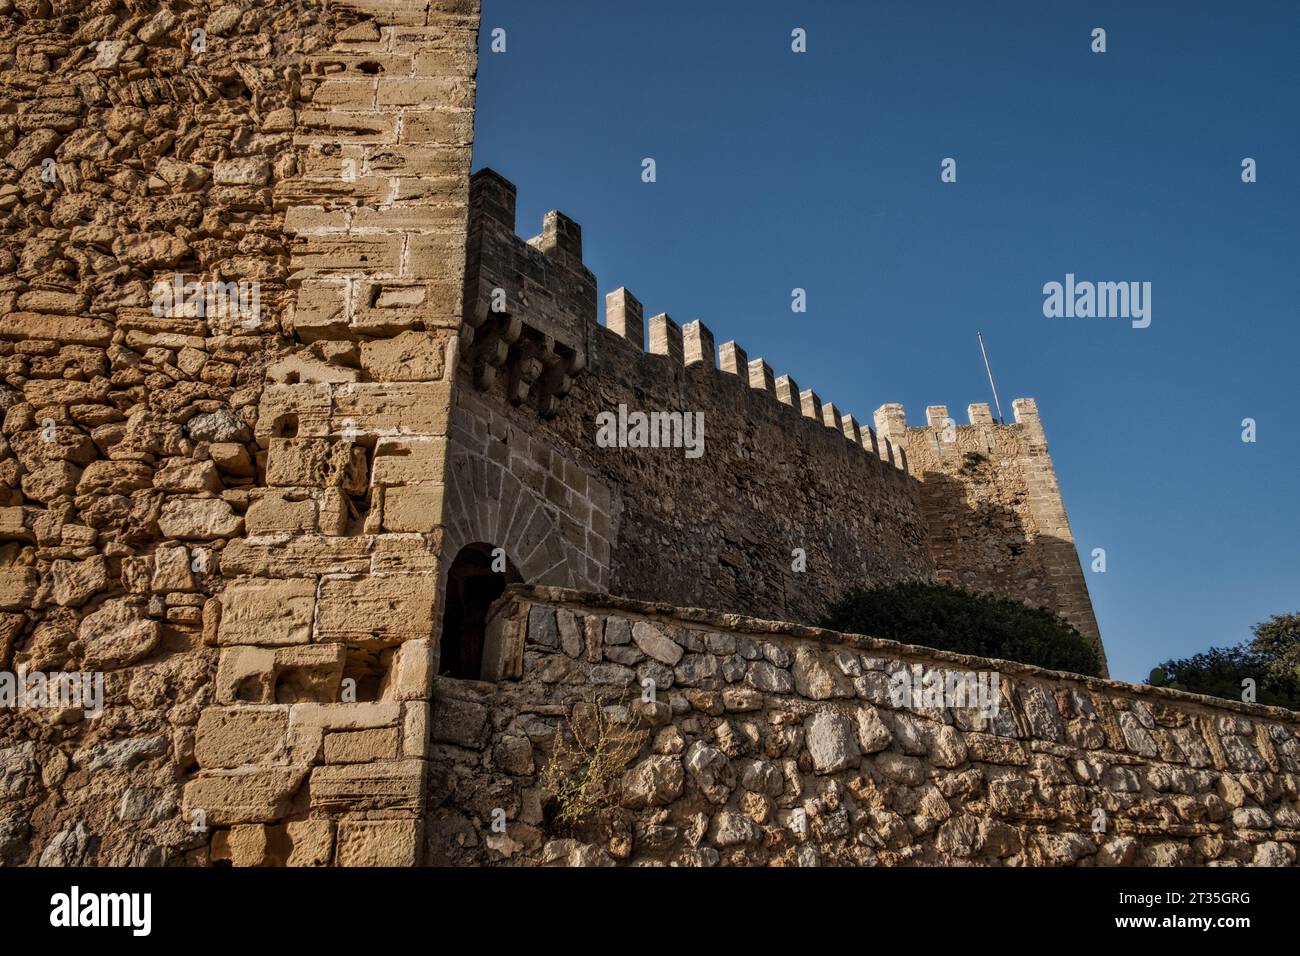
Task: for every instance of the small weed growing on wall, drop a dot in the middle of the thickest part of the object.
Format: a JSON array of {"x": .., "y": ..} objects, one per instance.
[{"x": 591, "y": 749}]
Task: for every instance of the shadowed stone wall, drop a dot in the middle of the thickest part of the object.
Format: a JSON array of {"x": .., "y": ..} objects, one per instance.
[{"x": 995, "y": 520}]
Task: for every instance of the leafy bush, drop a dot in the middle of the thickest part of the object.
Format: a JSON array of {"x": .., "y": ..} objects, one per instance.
[
  {"x": 1271, "y": 659},
  {"x": 953, "y": 619},
  {"x": 1277, "y": 640}
]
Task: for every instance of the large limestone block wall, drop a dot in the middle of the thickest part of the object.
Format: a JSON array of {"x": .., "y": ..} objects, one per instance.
[
  {"x": 780, "y": 471},
  {"x": 995, "y": 520},
  {"x": 329, "y": 617},
  {"x": 774, "y": 744},
  {"x": 233, "y": 518}
]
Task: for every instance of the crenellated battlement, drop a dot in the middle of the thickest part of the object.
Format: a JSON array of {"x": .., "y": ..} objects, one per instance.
[
  {"x": 692, "y": 344},
  {"x": 992, "y": 467},
  {"x": 531, "y": 307},
  {"x": 891, "y": 421},
  {"x": 528, "y": 303}
]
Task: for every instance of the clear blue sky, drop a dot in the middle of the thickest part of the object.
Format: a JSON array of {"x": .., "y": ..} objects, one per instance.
[{"x": 821, "y": 170}]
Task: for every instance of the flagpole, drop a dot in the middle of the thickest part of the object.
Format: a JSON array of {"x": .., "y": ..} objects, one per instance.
[{"x": 988, "y": 368}]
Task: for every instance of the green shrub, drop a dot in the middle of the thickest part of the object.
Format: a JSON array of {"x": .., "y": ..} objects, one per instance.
[{"x": 953, "y": 619}]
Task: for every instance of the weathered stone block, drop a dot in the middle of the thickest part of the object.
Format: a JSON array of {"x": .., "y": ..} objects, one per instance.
[
  {"x": 408, "y": 357},
  {"x": 308, "y": 673},
  {"x": 460, "y": 722},
  {"x": 17, "y": 524},
  {"x": 874, "y": 735},
  {"x": 281, "y": 675},
  {"x": 299, "y": 556},
  {"x": 18, "y": 588},
  {"x": 378, "y": 843},
  {"x": 267, "y": 612},
  {"x": 385, "y": 610},
  {"x": 408, "y": 461},
  {"x": 832, "y": 741},
  {"x": 361, "y": 746},
  {"x": 316, "y": 463},
  {"x": 246, "y": 844},
  {"x": 299, "y": 410},
  {"x": 245, "y": 674},
  {"x": 278, "y": 512},
  {"x": 56, "y": 328},
  {"x": 187, "y": 476},
  {"x": 514, "y": 755},
  {"x": 654, "y": 782},
  {"x": 331, "y": 253},
  {"x": 117, "y": 634},
  {"x": 199, "y": 519},
  {"x": 258, "y": 795},
  {"x": 346, "y": 716},
  {"x": 817, "y": 677},
  {"x": 655, "y": 643},
  {"x": 387, "y": 785},
  {"x": 76, "y": 582},
  {"x": 321, "y": 311},
  {"x": 233, "y": 459},
  {"x": 415, "y": 728},
  {"x": 393, "y": 408},
  {"x": 172, "y": 570},
  {"x": 229, "y": 737},
  {"x": 333, "y": 512},
  {"x": 413, "y": 508},
  {"x": 52, "y": 481},
  {"x": 311, "y": 842},
  {"x": 411, "y": 673}
]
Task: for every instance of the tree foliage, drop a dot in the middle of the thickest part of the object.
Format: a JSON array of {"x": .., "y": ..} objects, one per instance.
[{"x": 1271, "y": 659}]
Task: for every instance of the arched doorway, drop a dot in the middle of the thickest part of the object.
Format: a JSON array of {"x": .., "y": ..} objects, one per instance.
[{"x": 472, "y": 585}]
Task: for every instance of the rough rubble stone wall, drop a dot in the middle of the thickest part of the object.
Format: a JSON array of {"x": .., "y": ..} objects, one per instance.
[
  {"x": 715, "y": 531},
  {"x": 774, "y": 744},
  {"x": 994, "y": 517},
  {"x": 235, "y": 521},
  {"x": 127, "y": 459}
]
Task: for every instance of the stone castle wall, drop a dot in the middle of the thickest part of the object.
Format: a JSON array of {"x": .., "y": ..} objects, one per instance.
[
  {"x": 719, "y": 530},
  {"x": 781, "y": 470},
  {"x": 329, "y": 614},
  {"x": 127, "y": 460},
  {"x": 774, "y": 744}
]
